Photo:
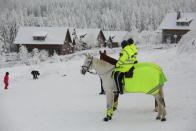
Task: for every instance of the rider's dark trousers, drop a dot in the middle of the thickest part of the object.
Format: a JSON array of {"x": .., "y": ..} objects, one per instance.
[{"x": 118, "y": 76}]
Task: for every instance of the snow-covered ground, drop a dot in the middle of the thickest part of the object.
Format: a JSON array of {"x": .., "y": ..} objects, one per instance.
[{"x": 64, "y": 100}]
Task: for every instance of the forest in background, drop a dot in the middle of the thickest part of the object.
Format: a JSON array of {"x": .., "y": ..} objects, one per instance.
[{"x": 104, "y": 14}]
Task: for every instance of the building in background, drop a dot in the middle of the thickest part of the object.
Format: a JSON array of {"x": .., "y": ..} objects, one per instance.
[
  {"x": 175, "y": 25},
  {"x": 52, "y": 39}
]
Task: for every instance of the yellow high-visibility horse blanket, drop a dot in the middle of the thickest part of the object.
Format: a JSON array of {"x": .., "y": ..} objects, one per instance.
[{"x": 147, "y": 78}]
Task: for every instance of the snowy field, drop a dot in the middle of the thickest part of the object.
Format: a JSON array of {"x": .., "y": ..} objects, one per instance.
[{"x": 64, "y": 100}]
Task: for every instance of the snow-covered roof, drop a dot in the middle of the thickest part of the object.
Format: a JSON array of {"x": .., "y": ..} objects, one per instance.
[
  {"x": 185, "y": 19},
  {"x": 91, "y": 35},
  {"x": 55, "y": 35},
  {"x": 169, "y": 21},
  {"x": 118, "y": 36}
]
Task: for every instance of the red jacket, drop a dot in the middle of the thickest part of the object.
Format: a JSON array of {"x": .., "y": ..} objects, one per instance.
[{"x": 6, "y": 78}]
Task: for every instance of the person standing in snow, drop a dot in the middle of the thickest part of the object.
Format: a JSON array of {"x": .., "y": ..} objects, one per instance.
[
  {"x": 6, "y": 80},
  {"x": 35, "y": 74}
]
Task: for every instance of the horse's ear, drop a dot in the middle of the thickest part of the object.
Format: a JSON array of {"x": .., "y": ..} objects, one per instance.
[
  {"x": 104, "y": 51},
  {"x": 99, "y": 52}
]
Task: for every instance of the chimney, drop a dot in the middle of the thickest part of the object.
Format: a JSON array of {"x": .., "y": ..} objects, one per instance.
[{"x": 178, "y": 15}]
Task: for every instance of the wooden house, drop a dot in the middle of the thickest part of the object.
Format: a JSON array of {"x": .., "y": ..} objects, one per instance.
[
  {"x": 175, "y": 25},
  {"x": 52, "y": 39},
  {"x": 114, "y": 38}
]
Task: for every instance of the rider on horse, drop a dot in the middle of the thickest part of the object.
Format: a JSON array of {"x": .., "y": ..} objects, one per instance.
[{"x": 125, "y": 63}]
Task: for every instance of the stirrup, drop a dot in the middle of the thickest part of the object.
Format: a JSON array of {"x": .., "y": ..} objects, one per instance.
[{"x": 121, "y": 92}]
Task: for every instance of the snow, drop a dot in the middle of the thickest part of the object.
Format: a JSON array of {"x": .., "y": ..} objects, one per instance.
[
  {"x": 169, "y": 21},
  {"x": 62, "y": 99},
  {"x": 187, "y": 44}
]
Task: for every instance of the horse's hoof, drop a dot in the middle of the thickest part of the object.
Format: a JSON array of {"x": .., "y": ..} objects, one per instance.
[
  {"x": 163, "y": 119},
  {"x": 158, "y": 118},
  {"x": 107, "y": 118},
  {"x": 101, "y": 93}
]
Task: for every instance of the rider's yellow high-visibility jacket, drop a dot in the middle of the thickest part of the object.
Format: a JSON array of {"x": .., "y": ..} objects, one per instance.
[
  {"x": 135, "y": 51},
  {"x": 126, "y": 59}
]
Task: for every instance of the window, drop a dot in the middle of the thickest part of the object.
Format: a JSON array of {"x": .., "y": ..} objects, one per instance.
[{"x": 41, "y": 38}]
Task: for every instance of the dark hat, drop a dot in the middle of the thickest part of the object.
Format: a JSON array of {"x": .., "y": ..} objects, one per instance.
[
  {"x": 130, "y": 41},
  {"x": 7, "y": 73},
  {"x": 124, "y": 43}
]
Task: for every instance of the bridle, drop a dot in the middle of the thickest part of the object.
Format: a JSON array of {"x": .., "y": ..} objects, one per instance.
[{"x": 86, "y": 69}]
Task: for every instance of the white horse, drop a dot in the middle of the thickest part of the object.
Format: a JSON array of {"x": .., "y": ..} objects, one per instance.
[{"x": 104, "y": 70}]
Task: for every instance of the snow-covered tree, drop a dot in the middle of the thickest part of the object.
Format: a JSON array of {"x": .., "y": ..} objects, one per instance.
[
  {"x": 79, "y": 42},
  {"x": 35, "y": 56},
  {"x": 1, "y": 48},
  {"x": 149, "y": 37},
  {"x": 8, "y": 30},
  {"x": 23, "y": 54},
  {"x": 43, "y": 55}
]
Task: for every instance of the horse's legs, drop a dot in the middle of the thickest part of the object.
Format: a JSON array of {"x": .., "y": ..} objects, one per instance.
[
  {"x": 110, "y": 101},
  {"x": 102, "y": 90},
  {"x": 160, "y": 108},
  {"x": 115, "y": 106},
  {"x": 162, "y": 103},
  {"x": 156, "y": 105}
]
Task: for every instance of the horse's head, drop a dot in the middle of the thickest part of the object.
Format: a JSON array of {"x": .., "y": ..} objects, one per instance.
[{"x": 87, "y": 64}]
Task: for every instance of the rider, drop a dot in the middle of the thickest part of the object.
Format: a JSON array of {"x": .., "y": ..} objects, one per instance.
[
  {"x": 132, "y": 44},
  {"x": 125, "y": 63}
]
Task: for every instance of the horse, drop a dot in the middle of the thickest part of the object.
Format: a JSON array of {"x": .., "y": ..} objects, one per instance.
[{"x": 104, "y": 70}]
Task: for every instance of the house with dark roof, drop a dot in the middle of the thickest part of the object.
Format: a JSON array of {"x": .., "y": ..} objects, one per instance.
[
  {"x": 175, "y": 25},
  {"x": 52, "y": 39}
]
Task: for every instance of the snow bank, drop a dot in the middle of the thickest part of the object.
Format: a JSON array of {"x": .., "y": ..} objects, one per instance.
[{"x": 187, "y": 45}]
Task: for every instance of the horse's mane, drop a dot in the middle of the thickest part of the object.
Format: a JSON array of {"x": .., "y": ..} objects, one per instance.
[
  {"x": 102, "y": 62},
  {"x": 105, "y": 57}
]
